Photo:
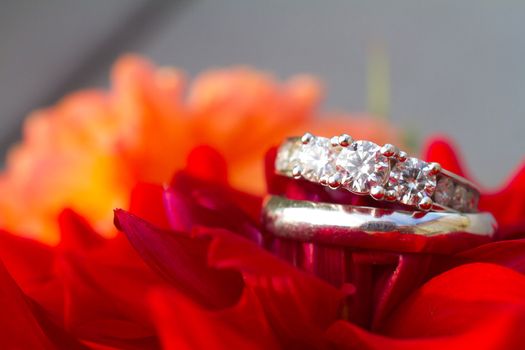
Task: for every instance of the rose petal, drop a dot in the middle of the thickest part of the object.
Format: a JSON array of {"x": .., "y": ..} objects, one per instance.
[
  {"x": 479, "y": 306},
  {"x": 96, "y": 293},
  {"x": 76, "y": 233},
  {"x": 204, "y": 268},
  {"x": 284, "y": 292},
  {"x": 510, "y": 254},
  {"x": 104, "y": 282},
  {"x": 181, "y": 260},
  {"x": 191, "y": 202},
  {"x": 32, "y": 266},
  {"x": 29, "y": 262},
  {"x": 206, "y": 164},
  {"x": 508, "y": 206},
  {"x": 23, "y": 325},
  {"x": 439, "y": 149},
  {"x": 184, "y": 324},
  {"x": 147, "y": 202},
  {"x": 408, "y": 274},
  {"x": 453, "y": 300}
]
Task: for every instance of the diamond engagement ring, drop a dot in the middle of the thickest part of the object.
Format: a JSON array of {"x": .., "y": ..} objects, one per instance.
[{"x": 383, "y": 172}]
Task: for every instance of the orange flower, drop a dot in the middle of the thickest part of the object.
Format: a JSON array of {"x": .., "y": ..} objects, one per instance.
[{"x": 89, "y": 150}]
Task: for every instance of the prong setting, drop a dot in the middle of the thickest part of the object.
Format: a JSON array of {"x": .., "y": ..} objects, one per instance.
[
  {"x": 297, "y": 172},
  {"x": 433, "y": 168},
  {"x": 389, "y": 150},
  {"x": 345, "y": 140},
  {"x": 402, "y": 156},
  {"x": 391, "y": 195},
  {"x": 429, "y": 189},
  {"x": 425, "y": 203},
  {"x": 306, "y": 138},
  {"x": 334, "y": 181},
  {"x": 377, "y": 192}
]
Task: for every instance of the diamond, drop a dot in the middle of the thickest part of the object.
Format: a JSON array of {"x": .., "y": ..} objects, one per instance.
[
  {"x": 411, "y": 181},
  {"x": 444, "y": 191},
  {"x": 363, "y": 166},
  {"x": 470, "y": 201},
  {"x": 459, "y": 200},
  {"x": 287, "y": 156},
  {"x": 316, "y": 159}
]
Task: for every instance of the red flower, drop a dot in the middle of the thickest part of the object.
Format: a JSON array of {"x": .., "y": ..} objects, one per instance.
[
  {"x": 201, "y": 279},
  {"x": 408, "y": 300},
  {"x": 190, "y": 266}
]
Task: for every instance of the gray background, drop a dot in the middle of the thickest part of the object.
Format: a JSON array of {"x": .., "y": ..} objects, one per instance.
[{"x": 456, "y": 67}]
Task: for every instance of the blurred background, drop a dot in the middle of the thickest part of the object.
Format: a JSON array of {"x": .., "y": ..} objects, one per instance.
[{"x": 453, "y": 67}]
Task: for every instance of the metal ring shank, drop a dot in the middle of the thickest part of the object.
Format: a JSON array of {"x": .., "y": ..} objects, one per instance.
[{"x": 348, "y": 225}]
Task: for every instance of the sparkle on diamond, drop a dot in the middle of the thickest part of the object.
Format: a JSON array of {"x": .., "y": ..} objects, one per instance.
[
  {"x": 316, "y": 159},
  {"x": 363, "y": 165},
  {"x": 444, "y": 191},
  {"x": 287, "y": 156},
  {"x": 459, "y": 200},
  {"x": 411, "y": 182}
]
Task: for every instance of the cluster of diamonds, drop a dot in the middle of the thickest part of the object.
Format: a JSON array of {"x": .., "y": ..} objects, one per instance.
[{"x": 384, "y": 172}]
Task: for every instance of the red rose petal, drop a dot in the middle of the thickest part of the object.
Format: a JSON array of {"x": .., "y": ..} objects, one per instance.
[
  {"x": 20, "y": 321},
  {"x": 206, "y": 167},
  {"x": 487, "y": 335},
  {"x": 454, "y": 300},
  {"x": 508, "y": 206},
  {"x": 29, "y": 262},
  {"x": 182, "y": 261},
  {"x": 76, "y": 232},
  {"x": 298, "y": 306},
  {"x": 409, "y": 273},
  {"x": 184, "y": 324},
  {"x": 191, "y": 202},
  {"x": 475, "y": 306},
  {"x": 207, "y": 164},
  {"x": 510, "y": 254},
  {"x": 117, "y": 334},
  {"x": 204, "y": 268},
  {"x": 32, "y": 266},
  {"x": 97, "y": 294},
  {"x": 147, "y": 202},
  {"x": 274, "y": 184},
  {"x": 439, "y": 149},
  {"x": 104, "y": 282}
]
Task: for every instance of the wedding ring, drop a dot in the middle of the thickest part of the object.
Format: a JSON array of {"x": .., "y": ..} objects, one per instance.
[
  {"x": 349, "y": 225},
  {"x": 383, "y": 172}
]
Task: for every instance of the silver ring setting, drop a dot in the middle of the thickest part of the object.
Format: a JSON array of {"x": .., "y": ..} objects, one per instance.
[
  {"x": 357, "y": 226},
  {"x": 382, "y": 172}
]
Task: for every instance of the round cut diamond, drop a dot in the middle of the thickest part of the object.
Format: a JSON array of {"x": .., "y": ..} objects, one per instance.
[
  {"x": 411, "y": 182},
  {"x": 363, "y": 166},
  {"x": 444, "y": 191},
  {"x": 287, "y": 156},
  {"x": 459, "y": 200},
  {"x": 316, "y": 159},
  {"x": 472, "y": 200}
]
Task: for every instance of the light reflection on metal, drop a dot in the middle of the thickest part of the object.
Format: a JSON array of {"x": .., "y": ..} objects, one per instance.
[{"x": 335, "y": 223}]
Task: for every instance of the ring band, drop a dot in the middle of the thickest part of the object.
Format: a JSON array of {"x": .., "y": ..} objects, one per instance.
[
  {"x": 385, "y": 173},
  {"x": 349, "y": 225}
]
